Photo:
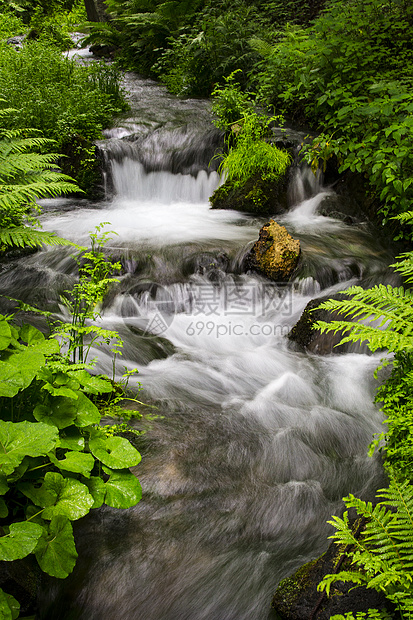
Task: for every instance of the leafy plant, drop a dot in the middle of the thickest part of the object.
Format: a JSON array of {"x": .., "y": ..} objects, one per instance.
[
  {"x": 83, "y": 301},
  {"x": 66, "y": 101},
  {"x": 26, "y": 175},
  {"x": 381, "y": 557},
  {"x": 349, "y": 74},
  {"x": 56, "y": 462},
  {"x": 230, "y": 103}
]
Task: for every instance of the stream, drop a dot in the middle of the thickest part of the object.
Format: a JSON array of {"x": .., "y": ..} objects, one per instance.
[{"x": 256, "y": 443}]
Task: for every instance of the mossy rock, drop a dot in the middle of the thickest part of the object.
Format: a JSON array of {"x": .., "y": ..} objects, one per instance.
[
  {"x": 275, "y": 254},
  {"x": 297, "y": 597},
  {"x": 257, "y": 196}
]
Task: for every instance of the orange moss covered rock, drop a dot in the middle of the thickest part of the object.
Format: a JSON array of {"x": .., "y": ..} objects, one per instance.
[{"x": 275, "y": 254}]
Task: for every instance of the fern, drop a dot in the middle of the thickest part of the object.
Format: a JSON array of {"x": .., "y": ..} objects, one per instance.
[
  {"x": 24, "y": 236},
  {"x": 390, "y": 307},
  {"x": 382, "y": 556},
  {"x": 25, "y": 176}
]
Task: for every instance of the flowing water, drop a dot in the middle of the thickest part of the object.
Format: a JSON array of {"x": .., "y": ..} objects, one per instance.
[{"x": 258, "y": 442}]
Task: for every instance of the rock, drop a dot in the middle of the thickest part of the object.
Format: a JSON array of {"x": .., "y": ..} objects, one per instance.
[
  {"x": 255, "y": 196},
  {"x": 21, "y": 579},
  {"x": 275, "y": 254},
  {"x": 297, "y": 597},
  {"x": 308, "y": 339},
  {"x": 17, "y": 41}
]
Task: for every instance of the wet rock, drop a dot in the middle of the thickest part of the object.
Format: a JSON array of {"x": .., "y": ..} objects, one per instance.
[
  {"x": 102, "y": 51},
  {"x": 256, "y": 196},
  {"x": 297, "y": 597},
  {"x": 275, "y": 254},
  {"x": 21, "y": 579},
  {"x": 17, "y": 41},
  {"x": 309, "y": 339}
]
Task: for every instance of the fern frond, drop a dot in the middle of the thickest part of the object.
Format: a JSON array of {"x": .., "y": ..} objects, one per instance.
[
  {"x": 262, "y": 47},
  {"x": 352, "y": 576},
  {"x": 24, "y": 236},
  {"x": 391, "y": 307},
  {"x": 384, "y": 550},
  {"x": 12, "y": 194}
]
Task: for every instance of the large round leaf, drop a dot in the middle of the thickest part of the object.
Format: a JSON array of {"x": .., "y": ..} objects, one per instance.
[
  {"x": 20, "y": 439},
  {"x": 28, "y": 363},
  {"x": 59, "y": 411},
  {"x": 20, "y": 541},
  {"x": 11, "y": 380},
  {"x": 87, "y": 412},
  {"x": 77, "y": 462},
  {"x": 97, "y": 489},
  {"x": 5, "y": 334},
  {"x": 9, "y": 607},
  {"x": 115, "y": 452},
  {"x": 123, "y": 489},
  {"x": 56, "y": 552},
  {"x": 30, "y": 334},
  {"x": 59, "y": 496}
]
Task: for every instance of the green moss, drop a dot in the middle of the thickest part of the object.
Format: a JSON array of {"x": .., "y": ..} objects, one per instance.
[
  {"x": 290, "y": 588},
  {"x": 257, "y": 195}
]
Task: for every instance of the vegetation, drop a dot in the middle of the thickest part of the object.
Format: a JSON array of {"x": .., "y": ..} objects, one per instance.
[
  {"x": 343, "y": 66},
  {"x": 69, "y": 103},
  {"x": 381, "y": 558},
  {"x": 57, "y": 461},
  {"x": 249, "y": 151}
]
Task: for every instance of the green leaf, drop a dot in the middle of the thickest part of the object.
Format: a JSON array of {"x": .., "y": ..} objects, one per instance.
[
  {"x": 9, "y": 607},
  {"x": 56, "y": 552},
  {"x": 31, "y": 335},
  {"x": 11, "y": 380},
  {"x": 123, "y": 489},
  {"x": 5, "y": 334},
  {"x": 77, "y": 462},
  {"x": 87, "y": 412},
  {"x": 97, "y": 488},
  {"x": 4, "y": 511},
  {"x": 59, "y": 496},
  {"x": 92, "y": 385},
  {"x": 3, "y": 485},
  {"x": 48, "y": 347},
  {"x": 28, "y": 364},
  {"x": 115, "y": 452},
  {"x": 20, "y": 439},
  {"x": 71, "y": 439},
  {"x": 20, "y": 541},
  {"x": 59, "y": 411}
]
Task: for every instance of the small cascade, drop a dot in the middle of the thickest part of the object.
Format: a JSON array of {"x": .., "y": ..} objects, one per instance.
[
  {"x": 304, "y": 184},
  {"x": 131, "y": 181}
]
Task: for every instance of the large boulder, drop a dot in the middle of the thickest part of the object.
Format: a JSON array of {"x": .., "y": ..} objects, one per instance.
[
  {"x": 275, "y": 254},
  {"x": 257, "y": 196}
]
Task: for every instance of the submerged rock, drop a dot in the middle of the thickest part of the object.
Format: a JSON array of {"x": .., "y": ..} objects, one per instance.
[
  {"x": 297, "y": 597},
  {"x": 257, "y": 196},
  {"x": 275, "y": 254},
  {"x": 309, "y": 339}
]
